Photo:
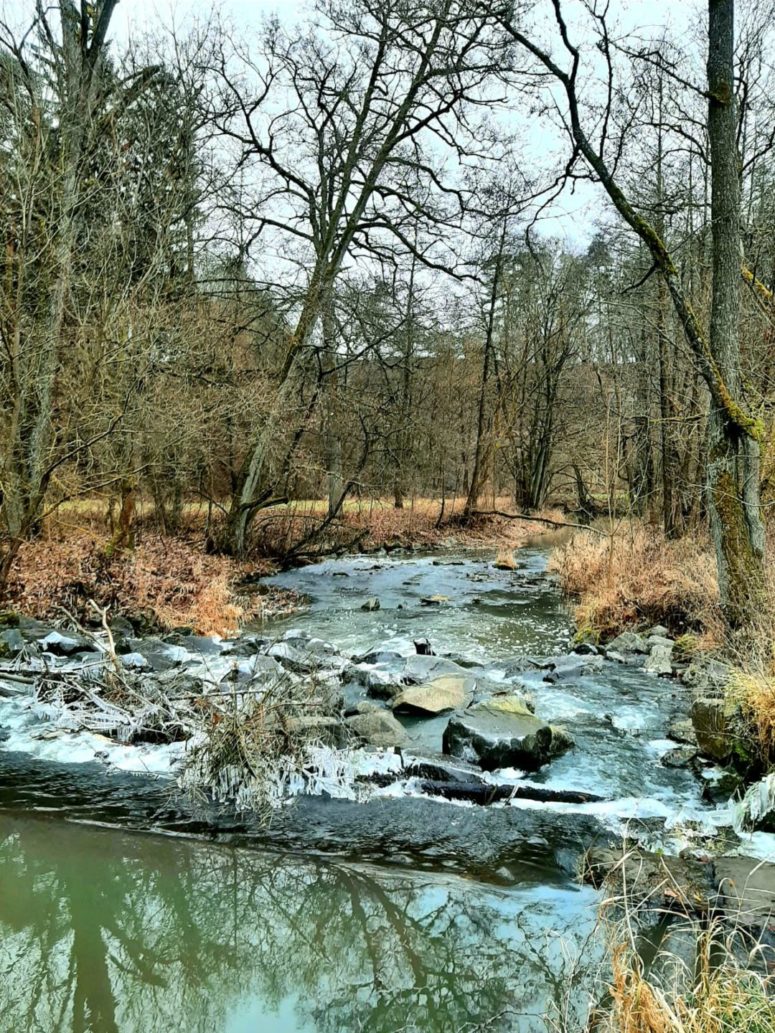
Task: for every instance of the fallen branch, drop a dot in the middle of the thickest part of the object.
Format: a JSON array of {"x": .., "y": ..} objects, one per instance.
[{"x": 538, "y": 520}]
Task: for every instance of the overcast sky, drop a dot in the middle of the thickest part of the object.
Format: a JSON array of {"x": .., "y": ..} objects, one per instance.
[{"x": 572, "y": 218}]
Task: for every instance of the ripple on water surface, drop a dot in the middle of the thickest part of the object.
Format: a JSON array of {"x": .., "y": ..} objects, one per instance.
[{"x": 488, "y": 614}]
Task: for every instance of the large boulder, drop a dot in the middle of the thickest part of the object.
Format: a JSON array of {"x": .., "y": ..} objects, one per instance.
[
  {"x": 379, "y": 728},
  {"x": 502, "y": 733},
  {"x": 450, "y": 692}
]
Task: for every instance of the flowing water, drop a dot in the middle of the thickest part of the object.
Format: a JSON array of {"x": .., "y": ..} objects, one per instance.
[{"x": 400, "y": 914}]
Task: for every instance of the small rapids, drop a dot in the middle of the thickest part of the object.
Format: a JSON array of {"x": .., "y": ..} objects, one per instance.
[{"x": 375, "y": 893}]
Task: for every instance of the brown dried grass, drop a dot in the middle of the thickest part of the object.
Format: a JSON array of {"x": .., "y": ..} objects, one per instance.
[
  {"x": 633, "y": 577},
  {"x": 166, "y": 581},
  {"x": 722, "y": 995}
]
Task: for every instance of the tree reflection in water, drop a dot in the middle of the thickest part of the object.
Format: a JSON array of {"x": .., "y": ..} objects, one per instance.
[{"x": 110, "y": 932}]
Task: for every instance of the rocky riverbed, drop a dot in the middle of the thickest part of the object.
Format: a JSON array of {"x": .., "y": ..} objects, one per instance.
[{"x": 436, "y": 712}]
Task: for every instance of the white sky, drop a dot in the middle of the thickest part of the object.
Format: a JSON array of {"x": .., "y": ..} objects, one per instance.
[{"x": 572, "y": 217}]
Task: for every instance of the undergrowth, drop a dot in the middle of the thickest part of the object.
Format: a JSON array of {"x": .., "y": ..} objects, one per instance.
[{"x": 635, "y": 578}]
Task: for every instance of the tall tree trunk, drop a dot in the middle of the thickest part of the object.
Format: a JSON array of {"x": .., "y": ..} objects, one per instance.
[
  {"x": 332, "y": 443},
  {"x": 733, "y": 455},
  {"x": 484, "y": 419}
]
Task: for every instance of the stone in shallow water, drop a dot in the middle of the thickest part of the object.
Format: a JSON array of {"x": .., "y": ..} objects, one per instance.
[
  {"x": 660, "y": 659},
  {"x": 502, "y": 733},
  {"x": 64, "y": 645},
  {"x": 424, "y": 668},
  {"x": 450, "y": 692},
  {"x": 378, "y": 729},
  {"x": 680, "y": 757}
]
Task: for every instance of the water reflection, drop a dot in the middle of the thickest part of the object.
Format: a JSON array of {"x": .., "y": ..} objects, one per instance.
[{"x": 106, "y": 931}]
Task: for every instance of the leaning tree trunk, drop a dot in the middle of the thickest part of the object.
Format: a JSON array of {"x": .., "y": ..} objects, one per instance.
[{"x": 733, "y": 455}]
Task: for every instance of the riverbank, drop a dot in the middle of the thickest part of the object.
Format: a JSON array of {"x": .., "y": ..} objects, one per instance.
[
  {"x": 622, "y": 583},
  {"x": 165, "y": 582}
]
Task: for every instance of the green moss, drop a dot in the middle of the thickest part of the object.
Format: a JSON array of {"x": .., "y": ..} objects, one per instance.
[
  {"x": 586, "y": 634},
  {"x": 9, "y": 619}
]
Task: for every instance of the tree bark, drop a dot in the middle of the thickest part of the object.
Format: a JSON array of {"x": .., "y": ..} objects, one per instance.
[{"x": 733, "y": 456}]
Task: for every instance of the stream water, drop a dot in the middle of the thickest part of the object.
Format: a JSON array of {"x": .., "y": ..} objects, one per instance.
[{"x": 394, "y": 915}]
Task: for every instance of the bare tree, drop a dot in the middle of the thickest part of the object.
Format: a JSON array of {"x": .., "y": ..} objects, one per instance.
[{"x": 736, "y": 434}]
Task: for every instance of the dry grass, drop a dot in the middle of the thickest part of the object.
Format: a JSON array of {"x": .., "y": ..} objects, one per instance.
[
  {"x": 166, "y": 581},
  {"x": 756, "y": 694},
  {"x": 376, "y": 523},
  {"x": 170, "y": 581},
  {"x": 634, "y": 577},
  {"x": 718, "y": 994},
  {"x": 693, "y": 965}
]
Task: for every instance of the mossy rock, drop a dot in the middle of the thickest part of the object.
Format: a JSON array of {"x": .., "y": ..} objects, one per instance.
[{"x": 725, "y": 735}]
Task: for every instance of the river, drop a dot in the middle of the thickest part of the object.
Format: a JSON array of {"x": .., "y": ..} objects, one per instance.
[{"x": 125, "y": 909}]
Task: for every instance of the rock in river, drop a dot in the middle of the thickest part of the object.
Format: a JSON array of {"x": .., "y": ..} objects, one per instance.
[
  {"x": 502, "y": 733},
  {"x": 449, "y": 692},
  {"x": 377, "y": 729}
]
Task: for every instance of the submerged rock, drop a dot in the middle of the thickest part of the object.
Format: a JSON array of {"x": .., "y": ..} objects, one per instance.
[
  {"x": 502, "y": 733},
  {"x": 371, "y": 605},
  {"x": 450, "y": 692}
]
